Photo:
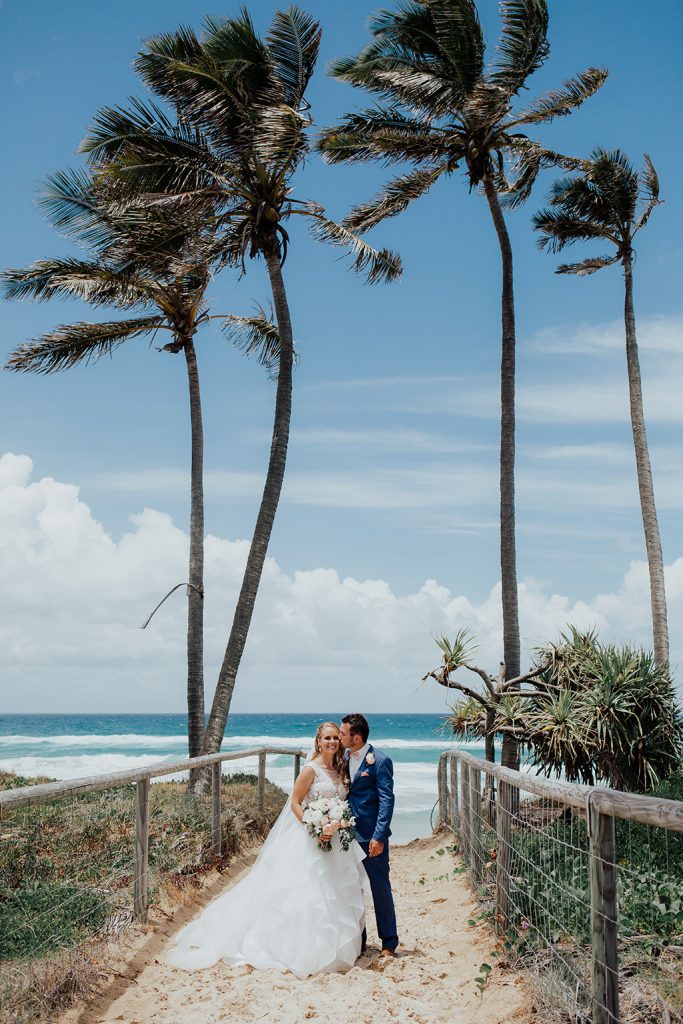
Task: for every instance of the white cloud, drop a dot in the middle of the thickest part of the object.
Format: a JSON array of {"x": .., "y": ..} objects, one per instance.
[
  {"x": 662, "y": 334},
  {"x": 575, "y": 375},
  {"x": 73, "y": 600}
]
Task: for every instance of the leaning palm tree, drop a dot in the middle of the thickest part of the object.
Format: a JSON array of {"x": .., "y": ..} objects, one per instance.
[
  {"x": 245, "y": 96},
  {"x": 440, "y": 106},
  {"x": 152, "y": 263},
  {"x": 604, "y": 202}
]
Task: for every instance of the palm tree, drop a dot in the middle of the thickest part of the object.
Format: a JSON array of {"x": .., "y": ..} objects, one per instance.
[
  {"x": 604, "y": 202},
  {"x": 439, "y": 107},
  {"x": 245, "y": 97},
  {"x": 157, "y": 265}
]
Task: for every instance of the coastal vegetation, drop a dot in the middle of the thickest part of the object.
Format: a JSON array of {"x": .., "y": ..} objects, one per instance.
[
  {"x": 66, "y": 871},
  {"x": 588, "y": 711},
  {"x": 550, "y": 891}
]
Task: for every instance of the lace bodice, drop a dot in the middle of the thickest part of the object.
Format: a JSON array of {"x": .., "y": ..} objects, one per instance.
[{"x": 324, "y": 784}]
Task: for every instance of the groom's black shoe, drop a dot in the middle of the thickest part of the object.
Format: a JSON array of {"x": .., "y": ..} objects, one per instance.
[{"x": 363, "y": 942}]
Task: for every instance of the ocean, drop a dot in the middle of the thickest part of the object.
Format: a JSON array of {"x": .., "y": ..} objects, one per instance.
[{"x": 71, "y": 746}]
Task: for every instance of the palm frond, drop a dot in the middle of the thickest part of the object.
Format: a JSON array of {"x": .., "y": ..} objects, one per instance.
[
  {"x": 419, "y": 88},
  {"x": 71, "y": 204},
  {"x": 587, "y": 266},
  {"x": 526, "y": 158},
  {"x": 71, "y": 344},
  {"x": 410, "y": 72},
  {"x": 383, "y": 133},
  {"x": 293, "y": 42},
  {"x": 561, "y": 102},
  {"x": 378, "y": 264},
  {"x": 559, "y": 229},
  {"x": 278, "y": 136},
  {"x": 256, "y": 335},
  {"x": 70, "y": 278},
  {"x": 393, "y": 199},
  {"x": 139, "y": 147},
  {"x": 210, "y": 81},
  {"x": 407, "y": 29},
  {"x": 650, "y": 182},
  {"x": 461, "y": 40},
  {"x": 523, "y": 47},
  {"x": 650, "y": 179}
]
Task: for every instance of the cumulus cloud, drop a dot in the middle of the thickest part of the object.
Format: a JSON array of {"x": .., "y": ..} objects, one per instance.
[{"x": 73, "y": 599}]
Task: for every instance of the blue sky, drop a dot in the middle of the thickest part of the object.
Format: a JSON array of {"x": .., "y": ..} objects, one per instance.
[{"x": 392, "y": 474}]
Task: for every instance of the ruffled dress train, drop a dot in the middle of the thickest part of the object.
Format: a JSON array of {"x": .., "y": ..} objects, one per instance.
[{"x": 299, "y": 909}]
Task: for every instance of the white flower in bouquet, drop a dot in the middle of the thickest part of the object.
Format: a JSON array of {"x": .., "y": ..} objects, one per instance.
[{"x": 323, "y": 812}]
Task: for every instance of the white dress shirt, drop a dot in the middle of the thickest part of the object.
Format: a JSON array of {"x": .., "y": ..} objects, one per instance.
[{"x": 356, "y": 760}]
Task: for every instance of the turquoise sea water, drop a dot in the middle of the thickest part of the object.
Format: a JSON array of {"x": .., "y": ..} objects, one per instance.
[{"x": 71, "y": 746}]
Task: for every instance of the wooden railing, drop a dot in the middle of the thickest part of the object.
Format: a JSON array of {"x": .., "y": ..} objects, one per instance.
[
  {"x": 141, "y": 777},
  {"x": 471, "y": 809}
]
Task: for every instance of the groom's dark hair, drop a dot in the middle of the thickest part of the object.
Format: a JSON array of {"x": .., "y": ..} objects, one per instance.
[{"x": 358, "y": 724}]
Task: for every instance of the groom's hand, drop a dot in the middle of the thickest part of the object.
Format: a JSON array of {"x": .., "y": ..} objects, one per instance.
[{"x": 376, "y": 848}]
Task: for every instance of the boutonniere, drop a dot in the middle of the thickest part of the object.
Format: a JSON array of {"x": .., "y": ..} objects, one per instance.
[{"x": 370, "y": 758}]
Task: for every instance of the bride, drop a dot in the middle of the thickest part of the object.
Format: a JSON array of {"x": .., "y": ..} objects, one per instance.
[{"x": 300, "y": 908}]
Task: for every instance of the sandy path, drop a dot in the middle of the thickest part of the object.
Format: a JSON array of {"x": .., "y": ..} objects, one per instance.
[{"x": 431, "y": 982}]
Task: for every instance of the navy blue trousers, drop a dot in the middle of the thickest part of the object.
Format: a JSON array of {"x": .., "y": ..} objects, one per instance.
[{"x": 377, "y": 870}]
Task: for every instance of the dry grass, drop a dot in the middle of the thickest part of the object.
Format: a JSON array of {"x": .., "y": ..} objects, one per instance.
[{"x": 66, "y": 876}]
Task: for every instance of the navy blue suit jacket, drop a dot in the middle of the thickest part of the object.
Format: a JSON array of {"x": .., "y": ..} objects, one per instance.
[{"x": 371, "y": 798}]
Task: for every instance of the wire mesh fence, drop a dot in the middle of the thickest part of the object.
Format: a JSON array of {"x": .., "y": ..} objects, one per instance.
[
  {"x": 78, "y": 863},
  {"x": 584, "y": 888}
]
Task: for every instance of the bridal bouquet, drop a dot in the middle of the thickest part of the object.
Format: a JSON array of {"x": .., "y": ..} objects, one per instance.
[{"x": 327, "y": 811}]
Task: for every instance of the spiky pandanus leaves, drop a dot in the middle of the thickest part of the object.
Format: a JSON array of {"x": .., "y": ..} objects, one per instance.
[
  {"x": 467, "y": 720},
  {"x": 603, "y": 712},
  {"x": 440, "y": 107},
  {"x": 610, "y": 201}
]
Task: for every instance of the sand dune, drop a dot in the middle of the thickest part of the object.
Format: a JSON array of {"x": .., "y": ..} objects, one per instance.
[{"x": 431, "y": 982}]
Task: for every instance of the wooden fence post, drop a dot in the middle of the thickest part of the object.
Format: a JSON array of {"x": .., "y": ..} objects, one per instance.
[
  {"x": 465, "y": 812},
  {"x": 297, "y": 766},
  {"x": 476, "y": 845},
  {"x": 443, "y": 791},
  {"x": 141, "y": 848},
  {"x": 503, "y": 849},
  {"x": 603, "y": 878},
  {"x": 453, "y": 808},
  {"x": 216, "y": 773},
  {"x": 261, "y": 799}
]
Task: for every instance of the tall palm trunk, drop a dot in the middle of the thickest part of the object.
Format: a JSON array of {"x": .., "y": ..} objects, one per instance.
[
  {"x": 195, "y": 599},
  {"x": 508, "y": 556},
  {"x": 647, "y": 495},
  {"x": 264, "y": 522}
]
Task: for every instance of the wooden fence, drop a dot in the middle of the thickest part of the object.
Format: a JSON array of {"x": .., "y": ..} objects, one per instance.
[
  {"x": 469, "y": 808},
  {"x": 35, "y": 795}
]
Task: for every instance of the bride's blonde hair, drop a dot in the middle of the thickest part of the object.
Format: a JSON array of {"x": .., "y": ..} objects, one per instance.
[{"x": 338, "y": 763}]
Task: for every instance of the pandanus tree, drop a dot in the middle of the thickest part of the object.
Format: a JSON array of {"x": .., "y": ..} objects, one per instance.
[
  {"x": 245, "y": 96},
  {"x": 156, "y": 264},
  {"x": 441, "y": 107},
  {"x": 609, "y": 201}
]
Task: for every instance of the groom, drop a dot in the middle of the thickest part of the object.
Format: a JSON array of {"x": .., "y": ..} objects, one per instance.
[{"x": 371, "y": 798}]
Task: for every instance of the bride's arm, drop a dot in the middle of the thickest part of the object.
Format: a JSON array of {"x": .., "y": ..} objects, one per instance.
[{"x": 301, "y": 788}]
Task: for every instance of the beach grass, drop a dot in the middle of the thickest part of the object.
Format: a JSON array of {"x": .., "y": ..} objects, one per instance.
[{"x": 66, "y": 874}]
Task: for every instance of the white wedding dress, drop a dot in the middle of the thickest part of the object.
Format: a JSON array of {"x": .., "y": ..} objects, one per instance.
[{"x": 299, "y": 909}]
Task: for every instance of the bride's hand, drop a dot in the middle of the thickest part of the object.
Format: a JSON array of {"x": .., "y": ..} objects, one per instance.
[{"x": 330, "y": 829}]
